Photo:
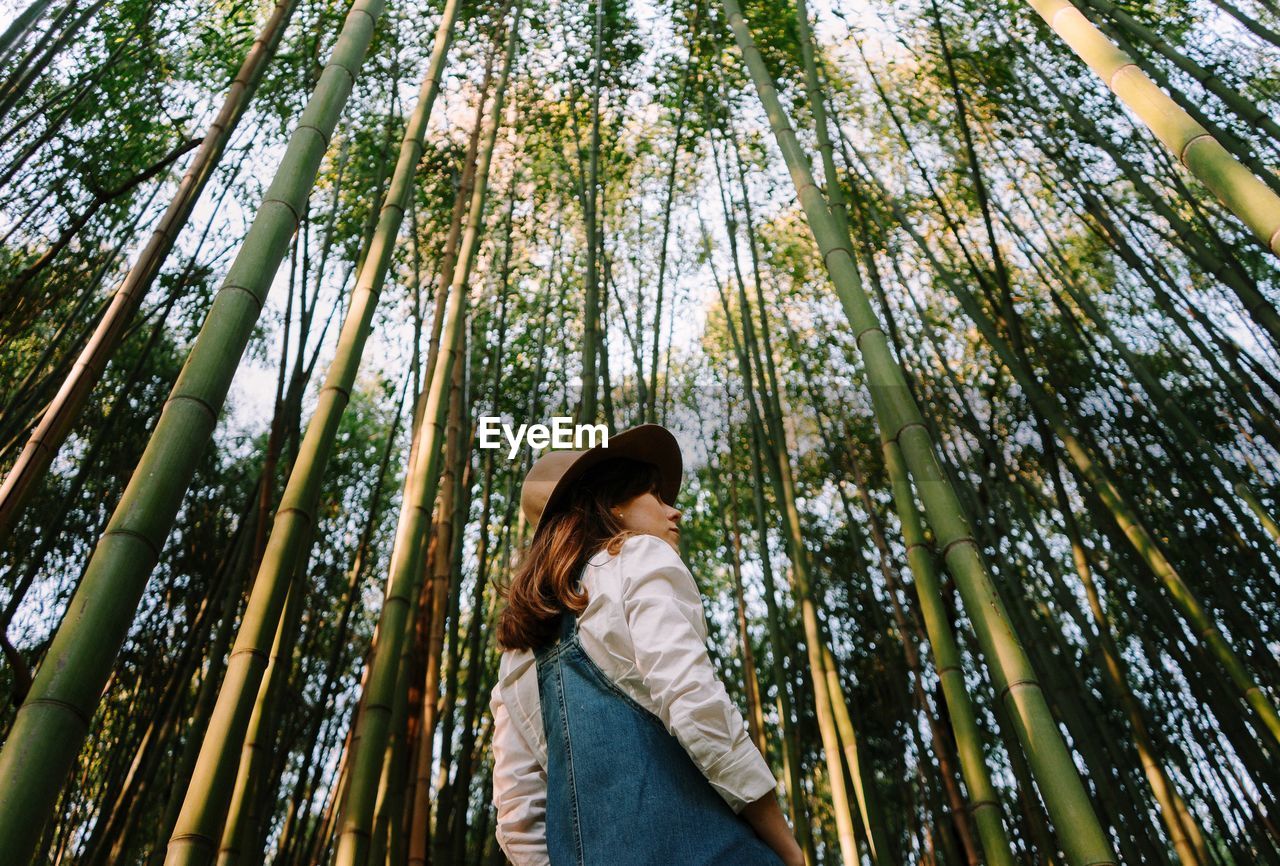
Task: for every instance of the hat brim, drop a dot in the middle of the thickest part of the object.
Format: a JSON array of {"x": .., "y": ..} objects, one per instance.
[{"x": 646, "y": 443}]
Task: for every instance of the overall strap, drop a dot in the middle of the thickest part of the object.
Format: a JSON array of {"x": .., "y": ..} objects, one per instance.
[
  {"x": 568, "y": 625},
  {"x": 568, "y": 619}
]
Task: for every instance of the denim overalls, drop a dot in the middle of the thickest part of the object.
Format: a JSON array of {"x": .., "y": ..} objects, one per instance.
[{"x": 621, "y": 790}]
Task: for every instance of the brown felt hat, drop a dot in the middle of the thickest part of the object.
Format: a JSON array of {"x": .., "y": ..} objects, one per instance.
[{"x": 552, "y": 476}]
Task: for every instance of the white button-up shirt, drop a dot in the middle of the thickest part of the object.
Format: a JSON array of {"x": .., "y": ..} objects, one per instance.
[{"x": 644, "y": 627}]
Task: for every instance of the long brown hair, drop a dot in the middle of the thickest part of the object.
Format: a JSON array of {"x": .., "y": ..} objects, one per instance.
[{"x": 543, "y": 584}]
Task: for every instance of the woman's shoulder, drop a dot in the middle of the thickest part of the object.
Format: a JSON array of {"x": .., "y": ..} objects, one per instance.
[
  {"x": 514, "y": 662},
  {"x": 649, "y": 546},
  {"x": 514, "y": 668},
  {"x": 648, "y": 564},
  {"x": 639, "y": 550}
]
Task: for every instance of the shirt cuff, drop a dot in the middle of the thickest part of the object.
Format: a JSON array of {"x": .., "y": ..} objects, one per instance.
[
  {"x": 521, "y": 855},
  {"x": 741, "y": 776}
]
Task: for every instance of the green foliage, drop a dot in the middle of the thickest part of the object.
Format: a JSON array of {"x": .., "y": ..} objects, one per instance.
[{"x": 1119, "y": 270}]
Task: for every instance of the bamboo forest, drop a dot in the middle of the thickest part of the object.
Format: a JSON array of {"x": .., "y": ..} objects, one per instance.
[{"x": 965, "y": 314}]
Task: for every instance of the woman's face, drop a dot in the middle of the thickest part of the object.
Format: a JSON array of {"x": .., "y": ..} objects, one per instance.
[{"x": 649, "y": 515}]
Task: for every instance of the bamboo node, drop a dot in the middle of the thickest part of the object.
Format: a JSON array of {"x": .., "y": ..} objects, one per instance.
[
  {"x": 1025, "y": 681},
  {"x": 54, "y": 702},
  {"x": 294, "y": 509},
  {"x": 1111, "y": 79},
  {"x": 233, "y": 287},
  {"x": 1182, "y": 154},
  {"x": 297, "y": 218},
  {"x": 957, "y": 541},
  {"x": 197, "y": 838},
  {"x": 848, "y": 252},
  {"x": 344, "y": 391},
  {"x": 903, "y": 429},
  {"x": 252, "y": 651},
  {"x": 213, "y": 414},
  {"x": 133, "y": 533},
  {"x": 858, "y": 337},
  {"x": 366, "y": 13}
]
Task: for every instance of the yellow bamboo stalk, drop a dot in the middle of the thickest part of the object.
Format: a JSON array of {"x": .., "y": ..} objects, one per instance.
[{"x": 1247, "y": 196}]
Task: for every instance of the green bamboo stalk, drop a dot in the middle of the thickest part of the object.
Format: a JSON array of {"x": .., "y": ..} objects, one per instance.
[
  {"x": 1014, "y": 355},
  {"x": 205, "y": 806},
  {"x": 185, "y": 760},
  {"x": 21, "y": 24},
  {"x": 304, "y": 786},
  {"x": 773, "y": 618},
  {"x": 985, "y": 805},
  {"x": 59, "y": 417},
  {"x": 256, "y": 753},
  {"x": 1211, "y": 254},
  {"x": 984, "y": 802},
  {"x": 53, "y": 721},
  {"x": 591, "y": 337},
  {"x": 45, "y": 53},
  {"x": 860, "y": 773},
  {"x": 444, "y": 560},
  {"x": 772, "y": 437},
  {"x": 1183, "y": 829},
  {"x": 846, "y": 827},
  {"x": 733, "y": 540},
  {"x": 1250, "y": 23},
  {"x": 651, "y": 389},
  {"x": 387, "y": 843},
  {"x": 901, "y": 424},
  {"x": 908, "y": 628},
  {"x": 984, "y": 809},
  {"x": 1205, "y": 252},
  {"x": 359, "y": 801},
  {"x": 818, "y": 108},
  {"x": 1235, "y": 144},
  {"x": 758, "y": 356},
  {"x": 480, "y": 668},
  {"x": 1102, "y": 478},
  {"x": 1159, "y": 394},
  {"x": 1245, "y": 195}
]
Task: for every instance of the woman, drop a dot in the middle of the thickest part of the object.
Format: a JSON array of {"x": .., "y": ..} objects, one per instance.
[{"x": 614, "y": 742}]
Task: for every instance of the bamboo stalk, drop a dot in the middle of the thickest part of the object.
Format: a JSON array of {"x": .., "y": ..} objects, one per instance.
[
  {"x": 772, "y": 440},
  {"x": 1245, "y": 195},
  {"x": 208, "y": 798},
  {"x": 359, "y": 800},
  {"x": 256, "y": 753},
  {"x": 901, "y": 424},
  {"x": 442, "y": 591},
  {"x": 58, "y": 418},
  {"x": 592, "y": 350},
  {"x": 21, "y": 24},
  {"x": 1101, "y": 478},
  {"x": 53, "y": 721},
  {"x": 774, "y": 618}
]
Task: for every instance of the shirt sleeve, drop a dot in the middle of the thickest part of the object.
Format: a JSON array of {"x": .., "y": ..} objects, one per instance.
[
  {"x": 519, "y": 792},
  {"x": 664, "y": 614}
]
